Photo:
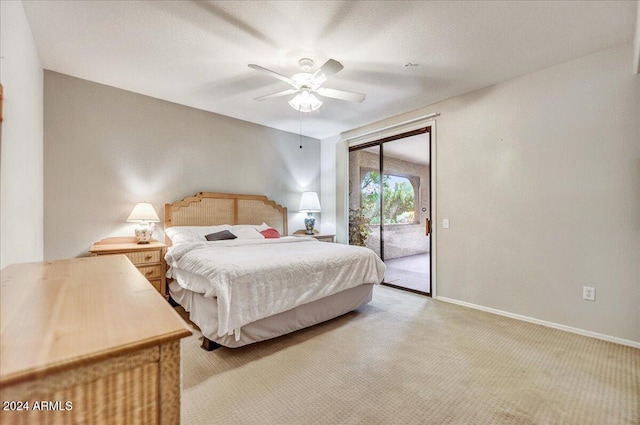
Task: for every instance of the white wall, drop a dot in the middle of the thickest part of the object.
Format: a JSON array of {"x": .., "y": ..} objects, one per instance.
[
  {"x": 327, "y": 185},
  {"x": 21, "y": 189},
  {"x": 107, "y": 149},
  {"x": 540, "y": 179}
]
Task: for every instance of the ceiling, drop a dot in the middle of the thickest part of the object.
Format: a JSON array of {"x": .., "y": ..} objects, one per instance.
[{"x": 196, "y": 53}]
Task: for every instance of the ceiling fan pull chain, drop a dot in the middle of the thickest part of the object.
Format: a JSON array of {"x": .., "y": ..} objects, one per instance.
[{"x": 300, "y": 116}]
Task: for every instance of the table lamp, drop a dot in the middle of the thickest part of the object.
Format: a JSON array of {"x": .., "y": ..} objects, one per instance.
[
  {"x": 144, "y": 214},
  {"x": 309, "y": 204}
]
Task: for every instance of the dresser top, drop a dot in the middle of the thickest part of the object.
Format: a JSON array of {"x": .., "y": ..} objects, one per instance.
[{"x": 62, "y": 314}]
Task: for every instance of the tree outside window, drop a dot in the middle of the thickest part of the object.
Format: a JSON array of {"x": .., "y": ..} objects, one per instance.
[{"x": 399, "y": 198}]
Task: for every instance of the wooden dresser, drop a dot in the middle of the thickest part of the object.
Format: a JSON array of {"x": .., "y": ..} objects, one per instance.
[
  {"x": 148, "y": 258},
  {"x": 87, "y": 340}
]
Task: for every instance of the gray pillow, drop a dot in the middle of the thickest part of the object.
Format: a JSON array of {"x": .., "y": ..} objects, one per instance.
[{"x": 220, "y": 236}]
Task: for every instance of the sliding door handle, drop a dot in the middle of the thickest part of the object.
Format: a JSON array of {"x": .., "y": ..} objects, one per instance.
[{"x": 427, "y": 227}]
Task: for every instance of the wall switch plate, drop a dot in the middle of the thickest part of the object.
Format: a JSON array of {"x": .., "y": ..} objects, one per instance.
[
  {"x": 589, "y": 293},
  {"x": 445, "y": 223}
]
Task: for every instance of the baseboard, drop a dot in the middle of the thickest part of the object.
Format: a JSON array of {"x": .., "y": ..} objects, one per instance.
[{"x": 578, "y": 331}]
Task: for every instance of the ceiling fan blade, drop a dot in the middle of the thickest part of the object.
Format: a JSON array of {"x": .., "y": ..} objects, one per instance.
[
  {"x": 329, "y": 68},
  {"x": 341, "y": 94},
  {"x": 279, "y": 94},
  {"x": 272, "y": 73}
]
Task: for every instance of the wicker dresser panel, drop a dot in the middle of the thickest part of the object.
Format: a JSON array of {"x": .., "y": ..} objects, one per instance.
[{"x": 88, "y": 395}]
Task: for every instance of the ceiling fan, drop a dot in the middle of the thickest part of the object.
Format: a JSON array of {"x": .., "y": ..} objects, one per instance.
[{"x": 306, "y": 84}]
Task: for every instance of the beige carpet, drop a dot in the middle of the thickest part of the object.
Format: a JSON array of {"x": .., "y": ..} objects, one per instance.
[{"x": 406, "y": 359}]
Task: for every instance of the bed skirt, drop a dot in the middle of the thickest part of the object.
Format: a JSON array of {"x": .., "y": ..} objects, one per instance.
[{"x": 204, "y": 313}]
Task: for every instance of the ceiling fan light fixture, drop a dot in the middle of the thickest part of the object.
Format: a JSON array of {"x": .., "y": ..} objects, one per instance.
[{"x": 305, "y": 102}]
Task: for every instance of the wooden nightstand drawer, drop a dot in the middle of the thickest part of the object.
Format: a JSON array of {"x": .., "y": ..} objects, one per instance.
[
  {"x": 144, "y": 257},
  {"x": 157, "y": 283},
  {"x": 151, "y": 272},
  {"x": 325, "y": 238}
]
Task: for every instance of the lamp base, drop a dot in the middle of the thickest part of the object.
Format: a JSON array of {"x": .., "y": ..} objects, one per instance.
[
  {"x": 144, "y": 231},
  {"x": 309, "y": 222}
]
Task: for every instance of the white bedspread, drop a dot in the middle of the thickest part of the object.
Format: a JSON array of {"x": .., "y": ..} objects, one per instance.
[{"x": 258, "y": 278}]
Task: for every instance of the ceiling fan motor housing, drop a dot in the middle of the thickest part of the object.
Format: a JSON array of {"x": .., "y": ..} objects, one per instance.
[{"x": 306, "y": 64}]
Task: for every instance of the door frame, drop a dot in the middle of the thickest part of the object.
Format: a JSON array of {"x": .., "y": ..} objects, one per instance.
[{"x": 343, "y": 152}]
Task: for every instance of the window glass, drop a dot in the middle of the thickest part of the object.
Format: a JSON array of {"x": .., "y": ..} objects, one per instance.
[{"x": 399, "y": 198}]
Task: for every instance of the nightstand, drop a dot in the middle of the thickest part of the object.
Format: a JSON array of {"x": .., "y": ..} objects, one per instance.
[
  {"x": 148, "y": 258},
  {"x": 318, "y": 236}
]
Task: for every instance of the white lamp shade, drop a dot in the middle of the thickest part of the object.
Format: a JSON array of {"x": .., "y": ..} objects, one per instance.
[
  {"x": 309, "y": 202},
  {"x": 143, "y": 211}
]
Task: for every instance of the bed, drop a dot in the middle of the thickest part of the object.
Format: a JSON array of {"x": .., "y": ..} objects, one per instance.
[{"x": 260, "y": 284}]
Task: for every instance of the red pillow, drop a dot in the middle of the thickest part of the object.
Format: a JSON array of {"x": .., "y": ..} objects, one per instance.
[{"x": 270, "y": 233}]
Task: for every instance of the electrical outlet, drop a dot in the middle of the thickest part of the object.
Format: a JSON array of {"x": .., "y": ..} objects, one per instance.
[{"x": 589, "y": 293}]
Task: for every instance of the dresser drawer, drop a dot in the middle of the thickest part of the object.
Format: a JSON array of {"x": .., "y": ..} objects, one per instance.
[
  {"x": 151, "y": 272},
  {"x": 144, "y": 257}
]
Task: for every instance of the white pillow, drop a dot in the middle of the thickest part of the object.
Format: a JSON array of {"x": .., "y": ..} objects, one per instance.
[
  {"x": 258, "y": 227},
  {"x": 248, "y": 232},
  {"x": 183, "y": 234}
]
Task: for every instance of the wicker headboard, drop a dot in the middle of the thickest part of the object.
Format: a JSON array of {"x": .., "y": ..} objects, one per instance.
[{"x": 211, "y": 209}]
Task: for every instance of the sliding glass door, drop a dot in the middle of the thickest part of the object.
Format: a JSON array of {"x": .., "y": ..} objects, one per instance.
[
  {"x": 364, "y": 198},
  {"x": 389, "y": 201}
]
